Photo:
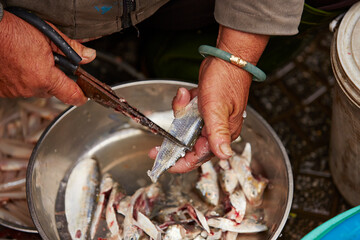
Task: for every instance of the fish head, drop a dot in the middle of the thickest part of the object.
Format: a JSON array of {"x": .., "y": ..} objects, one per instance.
[
  {"x": 208, "y": 192},
  {"x": 254, "y": 191}
]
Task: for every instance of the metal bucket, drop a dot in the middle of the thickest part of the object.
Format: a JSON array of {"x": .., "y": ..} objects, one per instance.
[
  {"x": 92, "y": 130},
  {"x": 345, "y": 128}
]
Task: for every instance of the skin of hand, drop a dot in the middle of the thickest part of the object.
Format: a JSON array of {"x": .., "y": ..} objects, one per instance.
[
  {"x": 27, "y": 63},
  {"x": 223, "y": 92}
]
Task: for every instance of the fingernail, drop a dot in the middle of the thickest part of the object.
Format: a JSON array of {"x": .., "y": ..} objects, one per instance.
[
  {"x": 179, "y": 94},
  {"x": 226, "y": 149},
  {"x": 89, "y": 53},
  {"x": 78, "y": 104}
]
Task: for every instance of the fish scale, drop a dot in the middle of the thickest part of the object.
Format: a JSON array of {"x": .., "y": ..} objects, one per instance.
[{"x": 186, "y": 127}]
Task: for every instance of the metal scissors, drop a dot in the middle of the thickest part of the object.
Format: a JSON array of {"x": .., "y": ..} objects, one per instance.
[{"x": 92, "y": 87}]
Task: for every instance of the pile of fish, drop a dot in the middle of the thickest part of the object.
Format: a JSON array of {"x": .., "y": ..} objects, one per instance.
[
  {"x": 223, "y": 201},
  {"x": 21, "y": 124}
]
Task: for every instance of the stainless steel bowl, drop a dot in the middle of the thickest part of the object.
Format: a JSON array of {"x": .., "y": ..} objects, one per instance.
[{"x": 92, "y": 130}]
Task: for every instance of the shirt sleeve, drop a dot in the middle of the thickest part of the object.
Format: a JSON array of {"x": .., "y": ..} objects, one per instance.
[{"x": 268, "y": 17}]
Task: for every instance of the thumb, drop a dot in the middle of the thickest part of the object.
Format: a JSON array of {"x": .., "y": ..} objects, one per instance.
[
  {"x": 87, "y": 54},
  {"x": 65, "y": 89},
  {"x": 216, "y": 125}
]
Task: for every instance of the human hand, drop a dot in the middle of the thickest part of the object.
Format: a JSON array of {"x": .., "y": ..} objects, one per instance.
[
  {"x": 222, "y": 97},
  {"x": 27, "y": 63},
  {"x": 201, "y": 151}
]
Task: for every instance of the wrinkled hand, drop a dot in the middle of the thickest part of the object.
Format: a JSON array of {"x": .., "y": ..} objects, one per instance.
[
  {"x": 223, "y": 92},
  {"x": 201, "y": 150},
  {"x": 27, "y": 63}
]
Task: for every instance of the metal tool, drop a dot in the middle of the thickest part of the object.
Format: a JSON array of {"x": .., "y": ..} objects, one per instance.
[{"x": 92, "y": 87}]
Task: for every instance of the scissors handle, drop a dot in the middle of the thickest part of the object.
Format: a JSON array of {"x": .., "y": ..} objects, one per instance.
[
  {"x": 65, "y": 63},
  {"x": 48, "y": 31}
]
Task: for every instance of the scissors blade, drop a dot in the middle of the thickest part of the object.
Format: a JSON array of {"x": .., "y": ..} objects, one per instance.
[{"x": 104, "y": 95}]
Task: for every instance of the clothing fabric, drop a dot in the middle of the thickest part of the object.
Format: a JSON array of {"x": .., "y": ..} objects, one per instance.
[
  {"x": 81, "y": 19},
  {"x": 93, "y": 18},
  {"x": 274, "y": 17}
]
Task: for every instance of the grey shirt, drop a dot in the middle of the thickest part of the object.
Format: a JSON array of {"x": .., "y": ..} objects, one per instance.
[
  {"x": 269, "y": 17},
  {"x": 93, "y": 18}
]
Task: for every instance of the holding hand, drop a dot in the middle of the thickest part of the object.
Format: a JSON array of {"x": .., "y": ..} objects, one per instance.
[
  {"x": 27, "y": 63},
  {"x": 222, "y": 94}
]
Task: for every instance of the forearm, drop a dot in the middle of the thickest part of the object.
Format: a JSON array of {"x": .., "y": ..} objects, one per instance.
[{"x": 247, "y": 46}]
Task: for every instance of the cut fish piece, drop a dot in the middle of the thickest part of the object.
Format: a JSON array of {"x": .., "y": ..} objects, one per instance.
[
  {"x": 246, "y": 226},
  {"x": 105, "y": 187}
]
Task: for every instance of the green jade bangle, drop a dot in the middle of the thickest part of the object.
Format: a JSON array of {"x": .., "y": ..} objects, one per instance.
[{"x": 206, "y": 50}]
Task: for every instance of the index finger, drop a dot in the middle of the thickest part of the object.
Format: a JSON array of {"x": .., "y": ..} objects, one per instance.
[{"x": 192, "y": 160}]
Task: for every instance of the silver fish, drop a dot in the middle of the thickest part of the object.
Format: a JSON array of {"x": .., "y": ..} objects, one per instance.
[
  {"x": 145, "y": 224},
  {"x": 228, "y": 179},
  {"x": 208, "y": 185},
  {"x": 252, "y": 187},
  {"x": 13, "y": 184},
  {"x": 246, "y": 226},
  {"x": 132, "y": 232},
  {"x": 105, "y": 186},
  {"x": 187, "y": 128},
  {"x": 175, "y": 232},
  {"x": 80, "y": 197},
  {"x": 179, "y": 232},
  {"x": 111, "y": 220},
  {"x": 123, "y": 205},
  {"x": 198, "y": 217},
  {"x": 13, "y": 164},
  {"x": 238, "y": 206}
]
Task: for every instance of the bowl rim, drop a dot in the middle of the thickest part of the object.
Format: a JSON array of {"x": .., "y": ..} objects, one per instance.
[
  {"x": 18, "y": 227},
  {"x": 31, "y": 163}
]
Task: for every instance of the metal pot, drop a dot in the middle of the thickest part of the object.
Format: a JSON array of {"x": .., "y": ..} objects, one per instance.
[
  {"x": 345, "y": 123},
  {"x": 92, "y": 130}
]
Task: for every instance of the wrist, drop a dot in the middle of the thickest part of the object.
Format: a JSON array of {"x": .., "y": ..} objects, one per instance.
[
  {"x": 258, "y": 74},
  {"x": 247, "y": 46}
]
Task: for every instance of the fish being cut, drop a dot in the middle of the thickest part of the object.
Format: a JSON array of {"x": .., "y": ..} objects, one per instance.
[{"x": 186, "y": 127}]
